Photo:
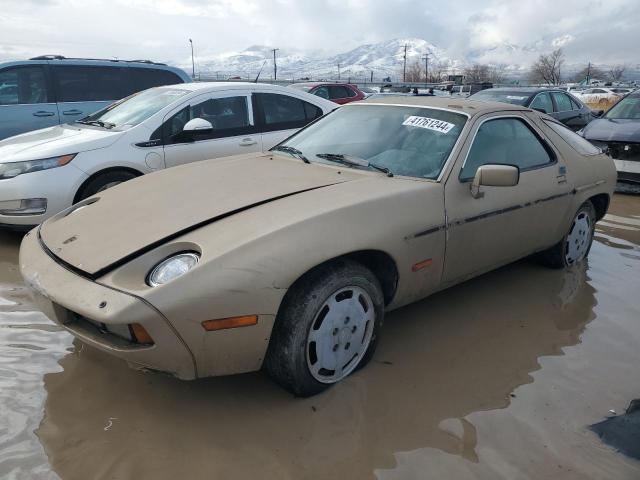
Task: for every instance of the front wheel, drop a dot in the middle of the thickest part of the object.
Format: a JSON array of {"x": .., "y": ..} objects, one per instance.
[
  {"x": 326, "y": 328},
  {"x": 576, "y": 244},
  {"x": 104, "y": 181}
]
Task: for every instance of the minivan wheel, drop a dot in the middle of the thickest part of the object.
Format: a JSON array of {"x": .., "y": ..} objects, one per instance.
[
  {"x": 576, "y": 244},
  {"x": 102, "y": 182},
  {"x": 327, "y": 327}
]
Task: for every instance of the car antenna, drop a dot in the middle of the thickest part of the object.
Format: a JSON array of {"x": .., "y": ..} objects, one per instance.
[{"x": 258, "y": 76}]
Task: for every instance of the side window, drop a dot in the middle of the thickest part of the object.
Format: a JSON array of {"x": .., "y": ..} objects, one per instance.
[
  {"x": 505, "y": 141},
  {"x": 281, "y": 112},
  {"x": 543, "y": 102},
  {"x": 228, "y": 117},
  {"x": 23, "y": 85},
  {"x": 337, "y": 91},
  {"x": 88, "y": 84},
  {"x": 350, "y": 92},
  {"x": 312, "y": 112},
  {"x": 322, "y": 92},
  {"x": 578, "y": 143},
  {"x": 575, "y": 104},
  {"x": 598, "y": 90},
  {"x": 144, "y": 78},
  {"x": 563, "y": 102}
]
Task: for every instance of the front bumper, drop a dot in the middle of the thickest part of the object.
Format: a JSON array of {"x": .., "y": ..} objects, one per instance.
[
  {"x": 57, "y": 185},
  {"x": 77, "y": 304}
]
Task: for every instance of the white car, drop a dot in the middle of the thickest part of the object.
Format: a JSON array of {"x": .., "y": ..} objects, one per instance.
[
  {"x": 598, "y": 95},
  {"x": 45, "y": 171}
]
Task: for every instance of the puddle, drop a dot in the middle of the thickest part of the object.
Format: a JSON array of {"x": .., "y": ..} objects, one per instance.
[{"x": 498, "y": 378}]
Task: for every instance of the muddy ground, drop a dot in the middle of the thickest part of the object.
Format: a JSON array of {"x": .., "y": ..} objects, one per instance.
[{"x": 498, "y": 378}]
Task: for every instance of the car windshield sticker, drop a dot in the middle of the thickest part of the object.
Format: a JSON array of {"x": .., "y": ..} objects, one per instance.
[
  {"x": 515, "y": 97},
  {"x": 429, "y": 123}
]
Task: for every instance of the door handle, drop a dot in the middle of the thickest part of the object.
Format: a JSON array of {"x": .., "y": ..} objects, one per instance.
[
  {"x": 247, "y": 142},
  {"x": 72, "y": 112},
  {"x": 42, "y": 113}
]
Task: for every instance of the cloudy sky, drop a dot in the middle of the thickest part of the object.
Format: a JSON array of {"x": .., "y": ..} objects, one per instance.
[{"x": 588, "y": 30}]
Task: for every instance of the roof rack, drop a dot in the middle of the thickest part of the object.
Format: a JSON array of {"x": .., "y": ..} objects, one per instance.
[{"x": 61, "y": 57}]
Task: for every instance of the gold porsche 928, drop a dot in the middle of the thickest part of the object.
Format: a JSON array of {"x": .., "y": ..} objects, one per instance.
[{"x": 289, "y": 260}]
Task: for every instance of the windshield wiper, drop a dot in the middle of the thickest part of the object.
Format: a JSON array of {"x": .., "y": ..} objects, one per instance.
[
  {"x": 99, "y": 123},
  {"x": 291, "y": 150},
  {"x": 353, "y": 161}
]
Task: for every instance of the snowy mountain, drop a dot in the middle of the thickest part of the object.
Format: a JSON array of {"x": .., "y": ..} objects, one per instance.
[{"x": 384, "y": 59}]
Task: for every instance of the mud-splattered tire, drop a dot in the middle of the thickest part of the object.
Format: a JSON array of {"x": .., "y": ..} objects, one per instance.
[
  {"x": 326, "y": 328},
  {"x": 576, "y": 244},
  {"x": 102, "y": 182}
]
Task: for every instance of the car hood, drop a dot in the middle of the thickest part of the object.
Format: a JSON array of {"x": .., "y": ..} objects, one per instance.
[
  {"x": 54, "y": 141},
  {"x": 612, "y": 130},
  {"x": 125, "y": 221}
]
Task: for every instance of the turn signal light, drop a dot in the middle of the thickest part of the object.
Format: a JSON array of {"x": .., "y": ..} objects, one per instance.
[
  {"x": 231, "y": 322},
  {"x": 420, "y": 265},
  {"x": 140, "y": 334}
]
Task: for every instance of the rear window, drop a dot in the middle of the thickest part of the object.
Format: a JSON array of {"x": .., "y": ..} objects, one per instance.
[
  {"x": 88, "y": 84},
  {"x": 144, "y": 78},
  {"x": 578, "y": 143}
]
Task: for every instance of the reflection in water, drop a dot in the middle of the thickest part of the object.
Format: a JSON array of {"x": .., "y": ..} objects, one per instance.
[{"x": 461, "y": 351}]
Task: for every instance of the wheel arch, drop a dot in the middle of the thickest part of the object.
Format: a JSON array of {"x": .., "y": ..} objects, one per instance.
[
  {"x": 601, "y": 204},
  {"x": 95, "y": 175}
]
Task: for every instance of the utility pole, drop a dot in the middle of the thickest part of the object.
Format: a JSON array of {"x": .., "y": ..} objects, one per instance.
[
  {"x": 193, "y": 63},
  {"x": 338, "y": 71},
  {"x": 371, "y": 76},
  {"x": 404, "y": 68},
  {"x": 275, "y": 66},
  {"x": 426, "y": 67},
  {"x": 589, "y": 73}
]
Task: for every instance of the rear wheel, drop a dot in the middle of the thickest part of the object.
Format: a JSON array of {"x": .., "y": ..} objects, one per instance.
[
  {"x": 102, "y": 182},
  {"x": 326, "y": 328},
  {"x": 576, "y": 244}
]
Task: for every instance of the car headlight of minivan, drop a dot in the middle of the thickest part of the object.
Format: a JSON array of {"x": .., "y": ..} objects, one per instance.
[
  {"x": 13, "y": 169},
  {"x": 172, "y": 268}
]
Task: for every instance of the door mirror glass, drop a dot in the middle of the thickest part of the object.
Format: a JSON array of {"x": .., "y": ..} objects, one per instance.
[
  {"x": 197, "y": 125},
  {"x": 493, "y": 175}
]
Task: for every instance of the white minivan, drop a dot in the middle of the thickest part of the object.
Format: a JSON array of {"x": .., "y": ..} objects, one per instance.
[{"x": 45, "y": 171}]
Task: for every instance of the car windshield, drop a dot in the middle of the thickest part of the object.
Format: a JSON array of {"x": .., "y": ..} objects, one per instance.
[
  {"x": 135, "y": 109},
  {"x": 626, "y": 109},
  {"x": 410, "y": 141},
  {"x": 514, "y": 97}
]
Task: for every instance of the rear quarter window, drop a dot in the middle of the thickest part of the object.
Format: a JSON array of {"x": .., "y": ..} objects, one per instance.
[{"x": 574, "y": 140}]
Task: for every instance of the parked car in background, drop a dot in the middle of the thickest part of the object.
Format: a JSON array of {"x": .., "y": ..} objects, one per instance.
[
  {"x": 45, "y": 171},
  {"x": 599, "y": 95},
  {"x": 368, "y": 91},
  {"x": 618, "y": 133},
  {"x": 289, "y": 260},
  {"x": 51, "y": 90},
  {"x": 340, "y": 93},
  {"x": 555, "y": 102},
  {"x": 621, "y": 90}
]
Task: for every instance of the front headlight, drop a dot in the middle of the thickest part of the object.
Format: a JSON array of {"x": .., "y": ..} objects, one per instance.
[
  {"x": 11, "y": 170},
  {"x": 172, "y": 268}
]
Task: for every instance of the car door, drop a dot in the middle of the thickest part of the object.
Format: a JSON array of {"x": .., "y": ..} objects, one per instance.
[
  {"x": 506, "y": 223},
  {"x": 26, "y": 101},
  {"x": 83, "y": 90},
  {"x": 233, "y": 132},
  {"x": 279, "y": 116},
  {"x": 567, "y": 112}
]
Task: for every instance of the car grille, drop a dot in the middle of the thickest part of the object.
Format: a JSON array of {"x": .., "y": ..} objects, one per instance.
[{"x": 620, "y": 150}]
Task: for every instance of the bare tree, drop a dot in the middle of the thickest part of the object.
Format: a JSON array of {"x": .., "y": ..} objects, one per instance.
[
  {"x": 476, "y": 73},
  {"x": 616, "y": 72},
  {"x": 548, "y": 68},
  {"x": 415, "y": 72},
  {"x": 495, "y": 74},
  {"x": 590, "y": 71},
  {"x": 438, "y": 71}
]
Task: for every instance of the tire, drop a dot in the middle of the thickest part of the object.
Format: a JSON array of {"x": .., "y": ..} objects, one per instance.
[
  {"x": 102, "y": 182},
  {"x": 307, "y": 321},
  {"x": 576, "y": 244}
]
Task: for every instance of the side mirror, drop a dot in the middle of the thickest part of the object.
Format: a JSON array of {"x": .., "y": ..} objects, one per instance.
[
  {"x": 197, "y": 125},
  {"x": 491, "y": 175},
  {"x": 597, "y": 113}
]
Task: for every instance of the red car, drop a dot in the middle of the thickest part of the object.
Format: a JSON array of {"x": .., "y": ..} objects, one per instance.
[{"x": 336, "y": 92}]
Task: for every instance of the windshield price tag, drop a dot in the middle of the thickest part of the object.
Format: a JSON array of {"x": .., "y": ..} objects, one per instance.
[{"x": 428, "y": 123}]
